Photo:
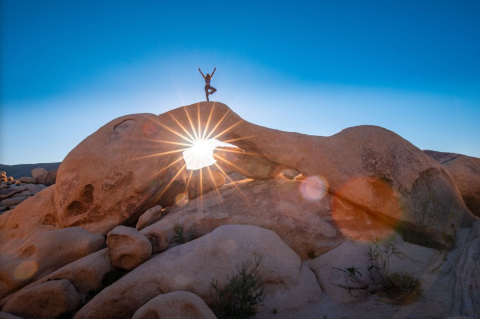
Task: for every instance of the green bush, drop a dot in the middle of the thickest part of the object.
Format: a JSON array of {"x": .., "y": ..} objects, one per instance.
[
  {"x": 180, "y": 236},
  {"x": 238, "y": 298}
]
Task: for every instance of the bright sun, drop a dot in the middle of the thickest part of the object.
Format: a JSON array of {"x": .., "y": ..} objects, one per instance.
[{"x": 201, "y": 153}]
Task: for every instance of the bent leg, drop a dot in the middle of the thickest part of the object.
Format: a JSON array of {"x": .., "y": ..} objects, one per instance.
[{"x": 213, "y": 90}]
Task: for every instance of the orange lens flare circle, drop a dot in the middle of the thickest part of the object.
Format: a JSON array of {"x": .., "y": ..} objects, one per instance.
[
  {"x": 366, "y": 209},
  {"x": 313, "y": 188},
  {"x": 25, "y": 270}
]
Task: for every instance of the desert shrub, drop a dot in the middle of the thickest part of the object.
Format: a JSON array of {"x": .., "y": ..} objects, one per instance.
[
  {"x": 397, "y": 288},
  {"x": 238, "y": 298},
  {"x": 112, "y": 276},
  {"x": 180, "y": 236},
  {"x": 402, "y": 289},
  {"x": 311, "y": 254}
]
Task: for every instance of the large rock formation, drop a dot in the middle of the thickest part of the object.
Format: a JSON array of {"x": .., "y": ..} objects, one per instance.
[
  {"x": 356, "y": 186},
  {"x": 465, "y": 171},
  {"x": 369, "y": 168}
]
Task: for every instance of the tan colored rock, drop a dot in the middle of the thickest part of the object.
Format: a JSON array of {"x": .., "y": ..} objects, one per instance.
[
  {"x": 101, "y": 184},
  {"x": 175, "y": 305},
  {"x": 275, "y": 204},
  {"x": 50, "y": 178},
  {"x": 465, "y": 171},
  {"x": 204, "y": 181},
  {"x": 158, "y": 239},
  {"x": 26, "y": 179},
  {"x": 43, "y": 254},
  {"x": 150, "y": 216},
  {"x": 192, "y": 267},
  {"x": 39, "y": 174},
  {"x": 10, "y": 179},
  {"x": 128, "y": 248},
  {"x": 45, "y": 301},
  {"x": 33, "y": 216},
  {"x": 86, "y": 274},
  {"x": 352, "y": 162},
  {"x": 117, "y": 173},
  {"x": 3, "y": 179}
]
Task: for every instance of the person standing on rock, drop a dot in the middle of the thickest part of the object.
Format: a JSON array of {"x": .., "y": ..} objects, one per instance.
[{"x": 207, "y": 78}]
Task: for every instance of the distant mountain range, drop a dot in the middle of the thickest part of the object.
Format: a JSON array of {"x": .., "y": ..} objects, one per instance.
[{"x": 20, "y": 170}]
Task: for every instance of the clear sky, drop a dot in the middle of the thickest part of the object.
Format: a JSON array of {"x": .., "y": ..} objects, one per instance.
[{"x": 69, "y": 67}]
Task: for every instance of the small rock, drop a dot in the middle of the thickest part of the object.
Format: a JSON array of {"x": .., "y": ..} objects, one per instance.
[
  {"x": 26, "y": 179},
  {"x": 39, "y": 174},
  {"x": 51, "y": 177},
  {"x": 10, "y": 179},
  {"x": 44, "y": 301},
  {"x": 158, "y": 238},
  {"x": 24, "y": 193},
  {"x": 5, "y": 193},
  {"x": 34, "y": 188},
  {"x": 3, "y": 179},
  {"x": 13, "y": 200},
  {"x": 128, "y": 248},
  {"x": 150, "y": 216},
  {"x": 177, "y": 304},
  {"x": 290, "y": 173},
  {"x": 3, "y": 173}
]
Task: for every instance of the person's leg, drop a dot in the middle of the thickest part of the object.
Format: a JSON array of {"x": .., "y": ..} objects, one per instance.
[
  {"x": 206, "y": 92},
  {"x": 213, "y": 90}
]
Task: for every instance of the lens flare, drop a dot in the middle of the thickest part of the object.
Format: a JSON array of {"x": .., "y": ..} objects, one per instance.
[
  {"x": 366, "y": 208},
  {"x": 313, "y": 188},
  {"x": 200, "y": 154},
  {"x": 25, "y": 270}
]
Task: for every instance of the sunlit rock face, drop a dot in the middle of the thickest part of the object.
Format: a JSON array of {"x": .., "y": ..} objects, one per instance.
[
  {"x": 118, "y": 172},
  {"x": 135, "y": 161}
]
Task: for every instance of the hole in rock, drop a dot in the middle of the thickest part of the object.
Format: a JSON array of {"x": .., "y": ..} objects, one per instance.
[{"x": 200, "y": 154}]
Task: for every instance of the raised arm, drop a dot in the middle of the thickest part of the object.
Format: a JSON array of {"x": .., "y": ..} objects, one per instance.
[
  {"x": 213, "y": 71},
  {"x": 201, "y": 73}
]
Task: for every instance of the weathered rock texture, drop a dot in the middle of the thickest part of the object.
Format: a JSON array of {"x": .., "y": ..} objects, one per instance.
[
  {"x": 465, "y": 171},
  {"x": 45, "y": 301},
  {"x": 128, "y": 248},
  {"x": 150, "y": 216},
  {"x": 192, "y": 267},
  {"x": 118, "y": 172},
  {"x": 369, "y": 168},
  {"x": 86, "y": 274},
  {"x": 275, "y": 204},
  {"x": 175, "y": 305},
  {"x": 44, "y": 253}
]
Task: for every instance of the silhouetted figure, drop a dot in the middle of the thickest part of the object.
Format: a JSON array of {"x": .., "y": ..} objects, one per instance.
[{"x": 207, "y": 78}]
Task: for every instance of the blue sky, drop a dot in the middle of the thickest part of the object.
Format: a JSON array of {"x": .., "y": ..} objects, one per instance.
[{"x": 69, "y": 67}]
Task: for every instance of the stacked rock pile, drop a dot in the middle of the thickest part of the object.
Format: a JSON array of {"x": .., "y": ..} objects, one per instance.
[{"x": 13, "y": 192}]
